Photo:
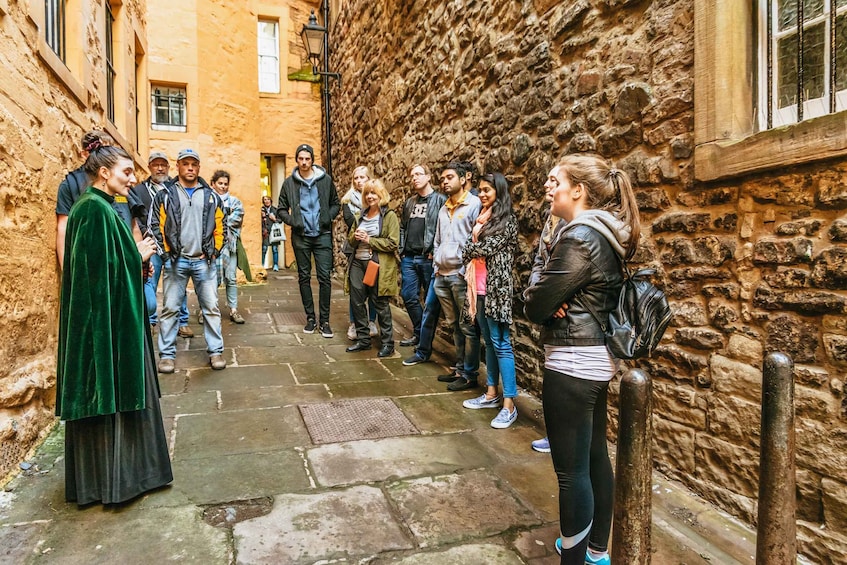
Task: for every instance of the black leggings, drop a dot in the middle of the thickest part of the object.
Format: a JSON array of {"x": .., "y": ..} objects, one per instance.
[{"x": 575, "y": 414}]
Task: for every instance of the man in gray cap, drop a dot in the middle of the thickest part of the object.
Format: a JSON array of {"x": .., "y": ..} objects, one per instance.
[
  {"x": 188, "y": 222},
  {"x": 144, "y": 194},
  {"x": 308, "y": 202}
]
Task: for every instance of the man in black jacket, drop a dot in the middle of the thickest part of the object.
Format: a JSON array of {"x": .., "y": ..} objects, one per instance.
[{"x": 308, "y": 202}]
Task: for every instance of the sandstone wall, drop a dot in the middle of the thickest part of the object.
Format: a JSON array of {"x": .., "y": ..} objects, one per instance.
[
  {"x": 45, "y": 107},
  {"x": 752, "y": 265}
]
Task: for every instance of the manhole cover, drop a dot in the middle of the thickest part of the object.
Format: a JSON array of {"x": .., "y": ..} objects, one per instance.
[
  {"x": 288, "y": 319},
  {"x": 348, "y": 420}
]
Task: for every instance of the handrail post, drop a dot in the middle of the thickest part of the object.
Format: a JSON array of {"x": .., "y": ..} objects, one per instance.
[
  {"x": 776, "y": 542},
  {"x": 634, "y": 471}
]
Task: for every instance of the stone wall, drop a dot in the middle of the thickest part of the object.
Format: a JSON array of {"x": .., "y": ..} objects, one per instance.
[
  {"x": 752, "y": 265},
  {"x": 45, "y": 107}
]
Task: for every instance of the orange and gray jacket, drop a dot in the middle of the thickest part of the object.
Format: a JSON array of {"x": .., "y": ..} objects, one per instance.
[{"x": 166, "y": 222}]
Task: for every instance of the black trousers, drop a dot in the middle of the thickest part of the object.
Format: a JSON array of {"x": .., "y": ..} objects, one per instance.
[
  {"x": 575, "y": 415},
  {"x": 304, "y": 249},
  {"x": 359, "y": 295}
]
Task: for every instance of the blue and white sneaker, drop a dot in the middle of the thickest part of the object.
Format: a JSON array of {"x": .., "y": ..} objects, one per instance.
[
  {"x": 504, "y": 419},
  {"x": 541, "y": 445},
  {"x": 602, "y": 560},
  {"x": 482, "y": 402}
]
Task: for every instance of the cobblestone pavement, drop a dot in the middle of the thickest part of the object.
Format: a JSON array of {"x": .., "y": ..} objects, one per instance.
[{"x": 300, "y": 452}]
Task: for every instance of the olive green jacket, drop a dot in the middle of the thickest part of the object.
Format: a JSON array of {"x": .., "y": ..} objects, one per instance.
[{"x": 385, "y": 248}]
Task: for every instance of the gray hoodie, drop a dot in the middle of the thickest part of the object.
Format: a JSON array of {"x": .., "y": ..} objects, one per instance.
[{"x": 452, "y": 233}]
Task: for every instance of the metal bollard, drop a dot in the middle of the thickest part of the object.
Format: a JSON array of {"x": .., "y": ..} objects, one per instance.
[
  {"x": 634, "y": 471},
  {"x": 776, "y": 533}
]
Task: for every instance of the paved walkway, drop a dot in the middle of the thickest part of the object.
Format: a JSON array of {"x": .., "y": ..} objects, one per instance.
[{"x": 302, "y": 453}]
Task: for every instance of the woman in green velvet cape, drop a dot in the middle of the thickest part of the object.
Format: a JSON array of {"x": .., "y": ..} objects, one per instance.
[{"x": 107, "y": 387}]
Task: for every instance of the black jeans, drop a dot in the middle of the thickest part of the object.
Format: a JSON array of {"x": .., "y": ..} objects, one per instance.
[
  {"x": 320, "y": 248},
  {"x": 359, "y": 294},
  {"x": 575, "y": 414}
]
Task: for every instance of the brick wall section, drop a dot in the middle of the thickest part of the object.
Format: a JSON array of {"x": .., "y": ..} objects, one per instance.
[
  {"x": 41, "y": 123},
  {"x": 752, "y": 265}
]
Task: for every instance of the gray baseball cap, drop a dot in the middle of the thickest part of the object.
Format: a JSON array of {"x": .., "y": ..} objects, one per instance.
[{"x": 157, "y": 155}]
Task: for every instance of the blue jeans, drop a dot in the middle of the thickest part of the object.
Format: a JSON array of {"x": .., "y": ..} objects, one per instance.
[
  {"x": 274, "y": 252},
  {"x": 304, "y": 249},
  {"x": 451, "y": 291},
  {"x": 417, "y": 274},
  {"x": 499, "y": 357},
  {"x": 150, "y": 286},
  {"x": 227, "y": 273},
  {"x": 429, "y": 322},
  {"x": 176, "y": 275}
]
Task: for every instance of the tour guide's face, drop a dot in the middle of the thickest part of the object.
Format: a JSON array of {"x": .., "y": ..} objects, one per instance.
[
  {"x": 304, "y": 162},
  {"x": 120, "y": 178},
  {"x": 188, "y": 169},
  {"x": 451, "y": 182},
  {"x": 419, "y": 178}
]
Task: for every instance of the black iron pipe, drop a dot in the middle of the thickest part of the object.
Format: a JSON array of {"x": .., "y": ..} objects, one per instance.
[
  {"x": 633, "y": 473},
  {"x": 776, "y": 542},
  {"x": 326, "y": 95}
]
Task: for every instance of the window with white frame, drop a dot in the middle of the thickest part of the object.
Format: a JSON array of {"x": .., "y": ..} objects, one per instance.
[
  {"x": 54, "y": 26},
  {"x": 268, "y": 56},
  {"x": 111, "y": 74},
  {"x": 817, "y": 47},
  {"x": 168, "y": 108}
]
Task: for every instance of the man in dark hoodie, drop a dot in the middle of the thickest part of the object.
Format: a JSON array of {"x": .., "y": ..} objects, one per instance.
[{"x": 308, "y": 202}]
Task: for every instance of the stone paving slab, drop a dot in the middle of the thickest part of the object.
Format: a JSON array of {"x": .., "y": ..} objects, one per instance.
[
  {"x": 438, "y": 510},
  {"x": 238, "y": 378},
  {"x": 442, "y": 412},
  {"x": 307, "y": 528},
  {"x": 18, "y": 542},
  {"x": 394, "y": 387},
  {"x": 280, "y": 354},
  {"x": 240, "y": 477},
  {"x": 269, "y": 397},
  {"x": 174, "y": 383},
  {"x": 160, "y": 535},
  {"x": 383, "y": 459},
  {"x": 475, "y": 554},
  {"x": 333, "y": 372},
  {"x": 206, "y": 436},
  {"x": 189, "y": 403},
  {"x": 268, "y": 340}
]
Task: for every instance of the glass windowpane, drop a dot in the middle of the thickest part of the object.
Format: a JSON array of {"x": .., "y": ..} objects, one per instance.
[
  {"x": 813, "y": 62},
  {"x": 786, "y": 80},
  {"x": 841, "y": 51}
]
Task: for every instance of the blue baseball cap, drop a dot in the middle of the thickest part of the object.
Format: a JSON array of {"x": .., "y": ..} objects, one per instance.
[{"x": 188, "y": 154}]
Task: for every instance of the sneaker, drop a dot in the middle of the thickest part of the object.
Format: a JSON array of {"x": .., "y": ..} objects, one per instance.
[
  {"x": 449, "y": 377},
  {"x": 541, "y": 445},
  {"x": 413, "y": 360},
  {"x": 558, "y": 546},
  {"x": 326, "y": 331},
  {"x": 462, "y": 383},
  {"x": 310, "y": 326},
  {"x": 276, "y": 268},
  {"x": 504, "y": 419},
  {"x": 217, "y": 362},
  {"x": 603, "y": 559},
  {"x": 351, "y": 332},
  {"x": 166, "y": 366},
  {"x": 372, "y": 329},
  {"x": 410, "y": 342},
  {"x": 482, "y": 402},
  {"x": 235, "y": 317},
  {"x": 200, "y": 319},
  {"x": 185, "y": 331}
]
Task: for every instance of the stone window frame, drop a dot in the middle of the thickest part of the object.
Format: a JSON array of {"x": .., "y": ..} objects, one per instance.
[
  {"x": 180, "y": 128},
  {"x": 73, "y": 51},
  {"x": 726, "y": 143},
  {"x": 278, "y": 55}
]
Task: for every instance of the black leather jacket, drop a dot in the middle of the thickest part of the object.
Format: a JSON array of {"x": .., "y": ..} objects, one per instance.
[{"x": 582, "y": 268}]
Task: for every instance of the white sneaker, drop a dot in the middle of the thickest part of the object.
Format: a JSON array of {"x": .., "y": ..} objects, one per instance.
[
  {"x": 482, "y": 402},
  {"x": 504, "y": 419},
  {"x": 372, "y": 329},
  {"x": 351, "y": 332}
]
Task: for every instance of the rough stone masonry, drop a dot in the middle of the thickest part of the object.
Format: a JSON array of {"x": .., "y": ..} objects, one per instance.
[{"x": 753, "y": 265}]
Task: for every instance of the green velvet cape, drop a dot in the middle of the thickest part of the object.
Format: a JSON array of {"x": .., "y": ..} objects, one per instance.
[{"x": 101, "y": 325}]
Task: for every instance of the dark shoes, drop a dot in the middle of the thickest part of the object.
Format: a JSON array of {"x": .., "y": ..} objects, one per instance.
[
  {"x": 386, "y": 351},
  {"x": 411, "y": 342},
  {"x": 359, "y": 346},
  {"x": 326, "y": 331},
  {"x": 414, "y": 360},
  {"x": 462, "y": 384},
  {"x": 449, "y": 377},
  {"x": 310, "y": 326}
]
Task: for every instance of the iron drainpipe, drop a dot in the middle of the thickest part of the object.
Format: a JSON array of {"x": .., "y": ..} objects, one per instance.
[{"x": 326, "y": 95}]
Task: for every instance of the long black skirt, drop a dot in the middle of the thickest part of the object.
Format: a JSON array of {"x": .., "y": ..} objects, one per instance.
[{"x": 116, "y": 457}]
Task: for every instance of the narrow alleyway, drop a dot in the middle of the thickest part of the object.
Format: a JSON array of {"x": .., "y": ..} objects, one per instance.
[{"x": 302, "y": 453}]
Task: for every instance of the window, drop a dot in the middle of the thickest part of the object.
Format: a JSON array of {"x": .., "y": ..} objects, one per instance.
[
  {"x": 168, "y": 108},
  {"x": 268, "y": 56},
  {"x": 54, "y": 26},
  {"x": 818, "y": 47},
  {"x": 110, "y": 63}
]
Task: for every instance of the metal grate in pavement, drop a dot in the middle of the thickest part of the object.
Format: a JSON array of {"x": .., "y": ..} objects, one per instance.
[
  {"x": 348, "y": 420},
  {"x": 288, "y": 318}
]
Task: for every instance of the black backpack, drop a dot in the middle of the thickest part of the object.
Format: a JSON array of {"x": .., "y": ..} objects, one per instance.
[{"x": 635, "y": 327}]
